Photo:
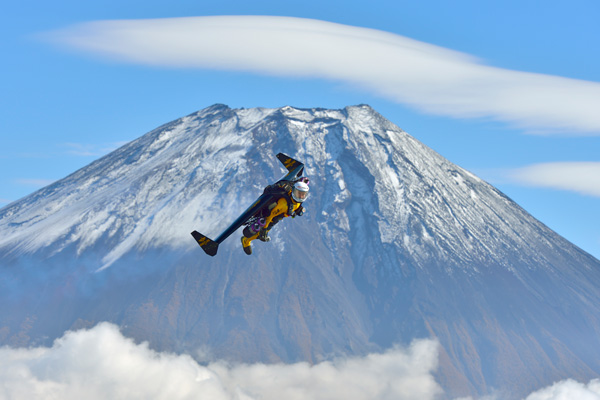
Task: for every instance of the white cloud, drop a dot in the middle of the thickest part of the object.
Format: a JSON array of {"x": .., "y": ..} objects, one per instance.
[
  {"x": 102, "y": 364},
  {"x": 580, "y": 177},
  {"x": 568, "y": 390},
  {"x": 431, "y": 78}
]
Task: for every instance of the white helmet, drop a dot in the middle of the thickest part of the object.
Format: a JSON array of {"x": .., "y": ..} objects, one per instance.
[{"x": 300, "y": 192}]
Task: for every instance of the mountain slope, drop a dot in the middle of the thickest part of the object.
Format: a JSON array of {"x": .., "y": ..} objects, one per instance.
[{"x": 398, "y": 244}]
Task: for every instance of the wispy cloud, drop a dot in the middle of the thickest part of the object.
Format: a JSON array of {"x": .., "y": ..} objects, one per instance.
[
  {"x": 102, "y": 364},
  {"x": 34, "y": 182},
  {"x": 428, "y": 77},
  {"x": 580, "y": 177},
  {"x": 90, "y": 149}
]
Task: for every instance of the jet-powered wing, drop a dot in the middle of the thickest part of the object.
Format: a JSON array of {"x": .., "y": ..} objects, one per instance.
[{"x": 295, "y": 169}]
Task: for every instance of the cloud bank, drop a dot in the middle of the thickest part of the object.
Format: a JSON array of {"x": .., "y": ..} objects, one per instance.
[
  {"x": 101, "y": 363},
  {"x": 579, "y": 177},
  {"x": 427, "y": 77}
]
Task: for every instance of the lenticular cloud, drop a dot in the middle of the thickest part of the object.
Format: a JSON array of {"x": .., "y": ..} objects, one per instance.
[
  {"x": 407, "y": 71},
  {"x": 101, "y": 363},
  {"x": 579, "y": 177}
]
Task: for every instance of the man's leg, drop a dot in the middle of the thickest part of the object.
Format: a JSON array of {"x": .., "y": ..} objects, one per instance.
[
  {"x": 263, "y": 234},
  {"x": 248, "y": 237}
]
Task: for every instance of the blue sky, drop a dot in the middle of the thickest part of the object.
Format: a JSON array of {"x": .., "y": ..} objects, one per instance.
[{"x": 512, "y": 95}]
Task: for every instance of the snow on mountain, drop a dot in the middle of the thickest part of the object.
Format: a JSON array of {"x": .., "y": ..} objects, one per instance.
[
  {"x": 130, "y": 198},
  {"x": 398, "y": 243}
]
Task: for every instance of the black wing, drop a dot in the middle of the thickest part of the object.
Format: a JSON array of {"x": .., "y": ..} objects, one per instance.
[{"x": 295, "y": 169}]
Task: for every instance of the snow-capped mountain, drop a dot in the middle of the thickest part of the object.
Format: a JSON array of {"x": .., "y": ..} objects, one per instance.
[{"x": 398, "y": 243}]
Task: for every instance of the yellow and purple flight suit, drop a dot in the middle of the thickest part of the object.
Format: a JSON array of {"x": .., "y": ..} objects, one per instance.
[{"x": 277, "y": 211}]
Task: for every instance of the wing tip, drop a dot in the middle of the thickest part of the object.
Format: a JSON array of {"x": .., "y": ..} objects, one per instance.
[
  {"x": 288, "y": 162},
  {"x": 209, "y": 246}
]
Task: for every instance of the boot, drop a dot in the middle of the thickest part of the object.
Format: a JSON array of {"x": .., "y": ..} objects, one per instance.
[{"x": 246, "y": 245}]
